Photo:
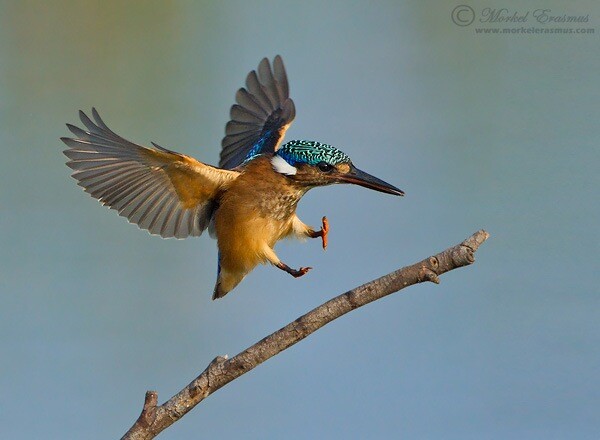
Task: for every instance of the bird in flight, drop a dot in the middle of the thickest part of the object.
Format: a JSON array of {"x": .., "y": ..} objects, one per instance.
[{"x": 248, "y": 202}]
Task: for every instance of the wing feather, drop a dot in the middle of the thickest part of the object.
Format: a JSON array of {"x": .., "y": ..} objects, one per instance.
[
  {"x": 165, "y": 192},
  {"x": 260, "y": 117},
  {"x": 258, "y": 91},
  {"x": 267, "y": 81},
  {"x": 281, "y": 78},
  {"x": 236, "y": 127},
  {"x": 246, "y": 100}
]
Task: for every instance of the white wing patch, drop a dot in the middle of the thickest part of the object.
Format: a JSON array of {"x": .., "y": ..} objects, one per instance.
[{"x": 282, "y": 167}]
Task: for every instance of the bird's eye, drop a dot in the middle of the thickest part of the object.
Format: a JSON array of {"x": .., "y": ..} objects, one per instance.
[{"x": 325, "y": 167}]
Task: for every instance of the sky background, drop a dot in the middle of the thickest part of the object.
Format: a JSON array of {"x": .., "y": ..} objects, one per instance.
[{"x": 481, "y": 131}]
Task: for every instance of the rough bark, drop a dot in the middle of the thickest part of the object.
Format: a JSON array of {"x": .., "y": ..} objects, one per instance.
[{"x": 155, "y": 418}]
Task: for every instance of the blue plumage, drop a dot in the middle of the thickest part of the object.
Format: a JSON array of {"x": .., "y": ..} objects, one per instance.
[
  {"x": 311, "y": 153},
  {"x": 258, "y": 148}
]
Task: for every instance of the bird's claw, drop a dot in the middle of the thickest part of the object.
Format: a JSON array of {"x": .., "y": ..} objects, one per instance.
[
  {"x": 296, "y": 273},
  {"x": 300, "y": 272}
]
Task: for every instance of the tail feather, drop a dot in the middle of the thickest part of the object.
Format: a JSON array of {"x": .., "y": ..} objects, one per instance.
[
  {"x": 219, "y": 292},
  {"x": 226, "y": 282}
]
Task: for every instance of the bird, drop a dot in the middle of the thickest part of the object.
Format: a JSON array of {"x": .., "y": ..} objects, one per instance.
[{"x": 248, "y": 202}]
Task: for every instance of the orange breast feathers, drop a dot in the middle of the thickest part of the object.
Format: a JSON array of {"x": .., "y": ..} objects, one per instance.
[{"x": 255, "y": 212}]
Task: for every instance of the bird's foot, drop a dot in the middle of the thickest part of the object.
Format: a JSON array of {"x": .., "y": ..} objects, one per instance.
[
  {"x": 293, "y": 272},
  {"x": 323, "y": 232}
]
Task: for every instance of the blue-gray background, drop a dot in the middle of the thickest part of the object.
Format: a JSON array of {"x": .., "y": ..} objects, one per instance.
[{"x": 481, "y": 131}]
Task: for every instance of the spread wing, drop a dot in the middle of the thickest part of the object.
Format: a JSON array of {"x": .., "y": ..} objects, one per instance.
[
  {"x": 263, "y": 113},
  {"x": 165, "y": 192}
]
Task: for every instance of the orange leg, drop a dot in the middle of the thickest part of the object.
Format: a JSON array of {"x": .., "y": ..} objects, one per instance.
[
  {"x": 293, "y": 272},
  {"x": 322, "y": 233},
  {"x": 272, "y": 258}
]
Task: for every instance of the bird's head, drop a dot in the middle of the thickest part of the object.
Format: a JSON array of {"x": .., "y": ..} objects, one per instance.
[{"x": 311, "y": 164}]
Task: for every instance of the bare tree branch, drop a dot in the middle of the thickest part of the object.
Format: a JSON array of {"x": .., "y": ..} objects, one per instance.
[{"x": 221, "y": 370}]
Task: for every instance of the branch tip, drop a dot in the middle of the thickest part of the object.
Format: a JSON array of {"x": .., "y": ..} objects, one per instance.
[
  {"x": 475, "y": 240},
  {"x": 148, "y": 414},
  {"x": 219, "y": 359},
  {"x": 150, "y": 400}
]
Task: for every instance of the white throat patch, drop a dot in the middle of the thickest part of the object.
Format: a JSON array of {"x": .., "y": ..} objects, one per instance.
[{"x": 282, "y": 167}]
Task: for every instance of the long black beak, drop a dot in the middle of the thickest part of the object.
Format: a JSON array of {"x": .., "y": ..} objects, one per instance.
[{"x": 361, "y": 178}]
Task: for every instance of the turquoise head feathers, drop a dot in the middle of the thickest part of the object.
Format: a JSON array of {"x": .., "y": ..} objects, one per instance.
[{"x": 311, "y": 153}]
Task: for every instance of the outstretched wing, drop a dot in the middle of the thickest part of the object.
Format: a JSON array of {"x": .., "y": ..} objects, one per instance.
[
  {"x": 261, "y": 116},
  {"x": 165, "y": 192}
]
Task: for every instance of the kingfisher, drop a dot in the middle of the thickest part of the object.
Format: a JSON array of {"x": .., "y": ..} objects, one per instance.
[{"x": 248, "y": 203}]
